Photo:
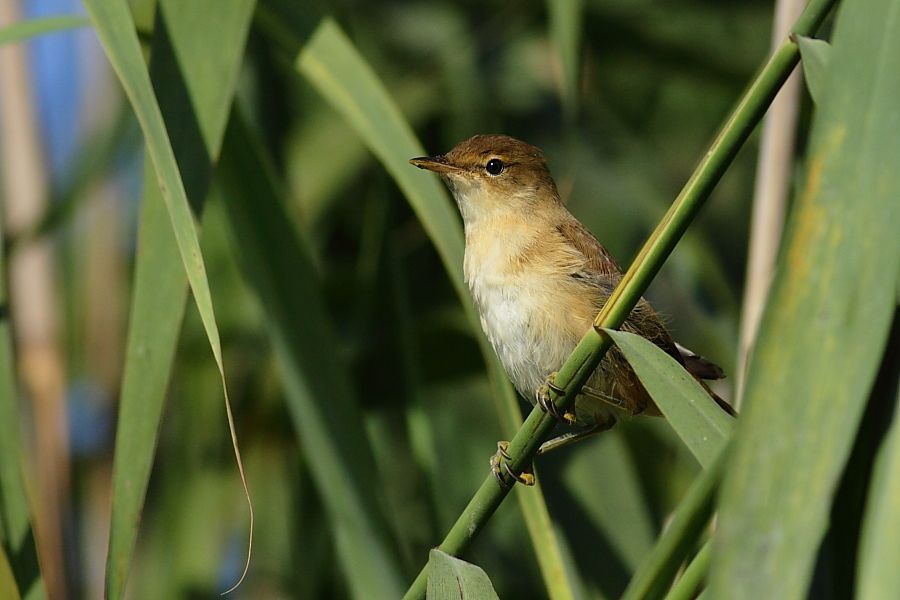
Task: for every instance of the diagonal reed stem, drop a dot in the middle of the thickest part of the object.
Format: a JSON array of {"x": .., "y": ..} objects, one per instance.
[
  {"x": 654, "y": 575},
  {"x": 590, "y": 350}
]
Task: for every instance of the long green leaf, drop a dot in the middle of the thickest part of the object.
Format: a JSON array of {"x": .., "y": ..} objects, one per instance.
[
  {"x": 695, "y": 417},
  {"x": 189, "y": 41},
  {"x": 332, "y": 64},
  {"x": 328, "y": 420},
  {"x": 455, "y": 579},
  {"x": 116, "y": 32},
  {"x": 24, "y": 30},
  {"x": 879, "y": 555},
  {"x": 16, "y": 535},
  {"x": 826, "y": 323}
]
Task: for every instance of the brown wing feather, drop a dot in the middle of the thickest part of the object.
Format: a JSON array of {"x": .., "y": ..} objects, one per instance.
[
  {"x": 601, "y": 272},
  {"x": 597, "y": 259}
]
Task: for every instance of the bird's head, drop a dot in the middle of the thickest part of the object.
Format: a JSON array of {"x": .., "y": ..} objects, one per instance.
[{"x": 490, "y": 175}]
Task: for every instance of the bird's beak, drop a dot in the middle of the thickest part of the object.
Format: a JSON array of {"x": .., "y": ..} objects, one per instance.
[{"x": 438, "y": 164}]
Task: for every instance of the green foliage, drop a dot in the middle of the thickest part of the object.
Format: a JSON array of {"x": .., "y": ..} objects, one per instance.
[
  {"x": 198, "y": 102},
  {"x": 833, "y": 298},
  {"x": 277, "y": 266},
  {"x": 699, "y": 422},
  {"x": 452, "y": 578}
]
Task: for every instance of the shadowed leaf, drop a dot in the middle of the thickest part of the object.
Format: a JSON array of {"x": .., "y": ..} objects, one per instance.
[{"x": 326, "y": 416}]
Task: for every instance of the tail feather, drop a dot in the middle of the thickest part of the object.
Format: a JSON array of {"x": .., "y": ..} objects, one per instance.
[
  {"x": 699, "y": 366},
  {"x": 702, "y": 368}
]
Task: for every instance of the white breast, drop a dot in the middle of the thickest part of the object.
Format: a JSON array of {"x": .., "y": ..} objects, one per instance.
[{"x": 513, "y": 308}]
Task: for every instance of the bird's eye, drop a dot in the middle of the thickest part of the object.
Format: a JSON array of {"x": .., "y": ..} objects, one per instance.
[{"x": 494, "y": 166}]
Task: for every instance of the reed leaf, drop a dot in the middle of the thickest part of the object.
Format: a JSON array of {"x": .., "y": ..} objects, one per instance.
[
  {"x": 832, "y": 299},
  {"x": 189, "y": 37},
  {"x": 695, "y": 417},
  {"x": 452, "y": 578}
]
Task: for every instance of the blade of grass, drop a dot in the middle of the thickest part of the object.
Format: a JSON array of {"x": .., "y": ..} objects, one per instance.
[
  {"x": 699, "y": 422},
  {"x": 16, "y": 535},
  {"x": 331, "y": 63},
  {"x": 328, "y": 420},
  {"x": 826, "y": 324},
  {"x": 590, "y": 350},
  {"x": 24, "y": 30},
  {"x": 160, "y": 292}
]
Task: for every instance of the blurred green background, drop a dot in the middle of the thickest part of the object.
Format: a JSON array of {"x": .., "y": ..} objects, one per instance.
[{"x": 648, "y": 83}]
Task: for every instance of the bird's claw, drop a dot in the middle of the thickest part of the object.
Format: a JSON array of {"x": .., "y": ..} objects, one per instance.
[
  {"x": 500, "y": 465},
  {"x": 546, "y": 402}
]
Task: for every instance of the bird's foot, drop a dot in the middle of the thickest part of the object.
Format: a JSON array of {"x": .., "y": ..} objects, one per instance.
[
  {"x": 546, "y": 402},
  {"x": 601, "y": 424},
  {"x": 500, "y": 468}
]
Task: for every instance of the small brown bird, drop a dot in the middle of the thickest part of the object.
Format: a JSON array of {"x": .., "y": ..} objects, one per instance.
[{"x": 539, "y": 278}]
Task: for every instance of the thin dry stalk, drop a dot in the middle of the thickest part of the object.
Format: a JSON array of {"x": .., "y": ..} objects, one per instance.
[
  {"x": 773, "y": 177},
  {"x": 33, "y": 300}
]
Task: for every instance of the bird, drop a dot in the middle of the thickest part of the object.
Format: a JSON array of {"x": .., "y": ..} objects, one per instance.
[{"x": 538, "y": 278}]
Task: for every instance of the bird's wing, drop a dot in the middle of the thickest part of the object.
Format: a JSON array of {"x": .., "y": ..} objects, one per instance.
[
  {"x": 597, "y": 259},
  {"x": 600, "y": 272}
]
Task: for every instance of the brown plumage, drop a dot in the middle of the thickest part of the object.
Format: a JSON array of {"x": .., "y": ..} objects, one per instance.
[{"x": 539, "y": 277}]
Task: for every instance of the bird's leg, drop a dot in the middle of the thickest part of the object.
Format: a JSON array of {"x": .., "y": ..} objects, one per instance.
[
  {"x": 500, "y": 464},
  {"x": 546, "y": 403},
  {"x": 565, "y": 439}
]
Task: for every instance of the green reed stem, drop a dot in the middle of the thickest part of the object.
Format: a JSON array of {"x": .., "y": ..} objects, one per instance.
[
  {"x": 590, "y": 350},
  {"x": 687, "y": 585},
  {"x": 655, "y": 573}
]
